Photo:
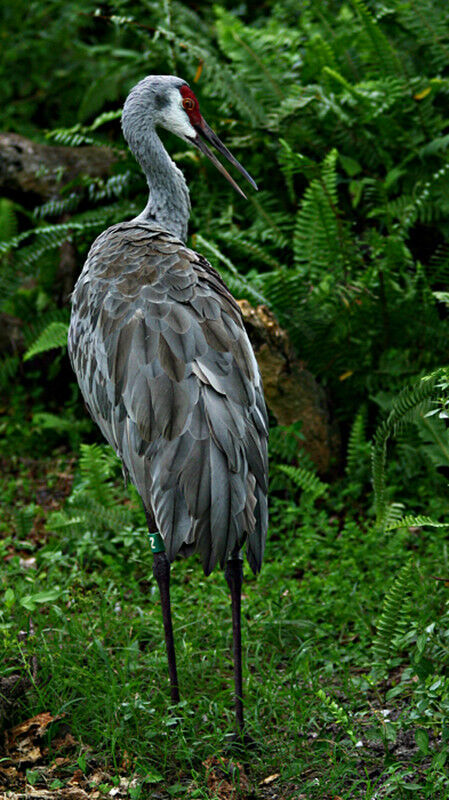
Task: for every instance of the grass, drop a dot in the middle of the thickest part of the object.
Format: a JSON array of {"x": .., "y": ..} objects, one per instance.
[{"x": 327, "y": 720}]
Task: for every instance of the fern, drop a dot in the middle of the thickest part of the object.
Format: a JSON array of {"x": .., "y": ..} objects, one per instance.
[
  {"x": 31, "y": 332},
  {"x": 407, "y": 401},
  {"x": 253, "y": 50},
  {"x": 304, "y": 479},
  {"x": 393, "y": 513},
  {"x": 427, "y": 27},
  {"x": 95, "y": 504},
  {"x": 48, "y": 238},
  {"x": 97, "y": 464},
  {"x": 392, "y": 622},
  {"x": 86, "y": 513},
  {"x": 411, "y": 521},
  {"x": 57, "y": 207},
  {"x": 320, "y": 53},
  {"x": 319, "y": 240},
  {"x": 298, "y": 98},
  {"x": 70, "y": 137},
  {"x": 113, "y": 187},
  {"x": 387, "y": 60},
  {"x": 55, "y": 335},
  {"x": 105, "y": 117},
  {"x": 357, "y": 443}
]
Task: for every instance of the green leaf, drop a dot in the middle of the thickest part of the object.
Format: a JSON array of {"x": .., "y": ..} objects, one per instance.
[
  {"x": 439, "y": 760},
  {"x": 153, "y": 776},
  {"x": 55, "y": 335},
  {"x": 32, "y": 776},
  {"x": 82, "y": 762},
  {"x": 9, "y": 598},
  {"x": 350, "y": 165},
  {"x": 421, "y": 642},
  {"x": 422, "y": 740},
  {"x": 30, "y": 601}
]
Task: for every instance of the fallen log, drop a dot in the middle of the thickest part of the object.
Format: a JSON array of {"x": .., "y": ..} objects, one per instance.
[{"x": 31, "y": 173}]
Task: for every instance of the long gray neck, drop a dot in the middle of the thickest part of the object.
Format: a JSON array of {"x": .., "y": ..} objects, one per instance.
[{"x": 169, "y": 201}]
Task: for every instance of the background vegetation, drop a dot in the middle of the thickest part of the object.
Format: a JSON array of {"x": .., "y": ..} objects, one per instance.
[{"x": 339, "y": 110}]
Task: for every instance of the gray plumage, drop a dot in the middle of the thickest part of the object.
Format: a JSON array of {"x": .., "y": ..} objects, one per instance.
[{"x": 165, "y": 365}]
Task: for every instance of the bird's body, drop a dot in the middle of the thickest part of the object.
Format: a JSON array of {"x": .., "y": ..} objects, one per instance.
[
  {"x": 167, "y": 372},
  {"x": 163, "y": 360}
]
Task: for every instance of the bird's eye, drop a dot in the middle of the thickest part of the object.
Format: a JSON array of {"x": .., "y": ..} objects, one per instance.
[{"x": 188, "y": 104}]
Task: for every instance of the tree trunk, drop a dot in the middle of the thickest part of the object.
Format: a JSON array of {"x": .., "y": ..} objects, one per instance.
[{"x": 292, "y": 393}]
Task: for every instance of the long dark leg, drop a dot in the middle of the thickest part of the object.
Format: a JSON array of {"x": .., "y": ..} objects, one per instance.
[
  {"x": 161, "y": 572},
  {"x": 234, "y": 577}
]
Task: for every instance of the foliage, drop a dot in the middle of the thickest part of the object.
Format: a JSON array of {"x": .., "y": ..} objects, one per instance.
[
  {"x": 404, "y": 408},
  {"x": 93, "y": 508}
]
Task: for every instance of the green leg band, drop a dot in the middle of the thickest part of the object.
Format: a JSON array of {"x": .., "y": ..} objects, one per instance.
[{"x": 156, "y": 543}]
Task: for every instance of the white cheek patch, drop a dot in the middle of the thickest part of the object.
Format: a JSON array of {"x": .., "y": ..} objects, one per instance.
[{"x": 175, "y": 119}]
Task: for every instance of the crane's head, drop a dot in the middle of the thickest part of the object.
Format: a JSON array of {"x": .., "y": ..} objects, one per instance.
[{"x": 169, "y": 102}]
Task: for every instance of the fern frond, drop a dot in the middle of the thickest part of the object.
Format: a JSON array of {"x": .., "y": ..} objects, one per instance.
[
  {"x": 87, "y": 513},
  {"x": 387, "y": 60},
  {"x": 105, "y": 117},
  {"x": 393, "y": 512},
  {"x": 392, "y": 622},
  {"x": 50, "y": 237},
  {"x": 57, "y": 207},
  {"x": 54, "y": 335},
  {"x": 320, "y": 240},
  {"x": 408, "y": 399},
  {"x": 93, "y": 505},
  {"x": 70, "y": 137},
  {"x": 418, "y": 521},
  {"x": 31, "y": 332},
  {"x": 97, "y": 463},
  {"x": 304, "y": 479},
  {"x": 426, "y": 195},
  {"x": 8, "y": 219},
  {"x": 298, "y": 98},
  {"x": 357, "y": 443},
  {"x": 248, "y": 246}
]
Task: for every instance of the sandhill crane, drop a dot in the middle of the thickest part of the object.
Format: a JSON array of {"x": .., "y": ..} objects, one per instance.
[{"x": 167, "y": 370}]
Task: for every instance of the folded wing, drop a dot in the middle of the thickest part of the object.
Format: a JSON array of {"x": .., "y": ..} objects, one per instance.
[{"x": 168, "y": 373}]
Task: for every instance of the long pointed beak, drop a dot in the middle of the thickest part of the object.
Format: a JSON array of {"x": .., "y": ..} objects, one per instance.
[{"x": 205, "y": 132}]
